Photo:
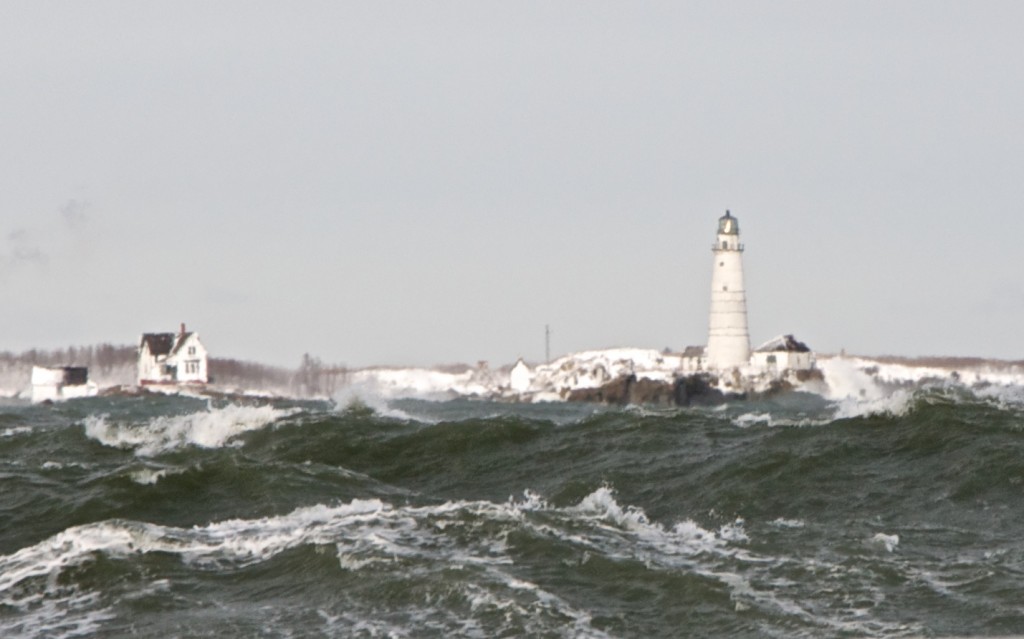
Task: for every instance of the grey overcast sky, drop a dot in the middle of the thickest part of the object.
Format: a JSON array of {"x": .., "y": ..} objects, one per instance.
[{"x": 414, "y": 183}]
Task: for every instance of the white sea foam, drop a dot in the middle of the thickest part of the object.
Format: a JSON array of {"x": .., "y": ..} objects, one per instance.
[
  {"x": 888, "y": 542},
  {"x": 747, "y": 420},
  {"x": 212, "y": 428},
  {"x": 1005, "y": 397},
  {"x": 684, "y": 537},
  {"x": 422, "y": 383},
  {"x": 752, "y": 419},
  {"x": 72, "y": 614},
  {"x": 363, "y": 532},
  {"x": 845, "y": 379},
  {"x": 896, "y": 404},
  {"x": 862, "y": 387},
  {"x": 150, "y": 476},
  {"x": 369, "y": 394},
  {"x": 369, "y": 534}
]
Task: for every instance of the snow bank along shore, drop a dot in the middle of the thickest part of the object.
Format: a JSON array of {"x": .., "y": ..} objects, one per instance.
[
  {"x": 836, "y": 378},
  {"x": 585, "y": 375}
]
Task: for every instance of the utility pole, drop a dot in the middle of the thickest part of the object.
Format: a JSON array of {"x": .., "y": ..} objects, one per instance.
[{"x": 547, "y": 344}]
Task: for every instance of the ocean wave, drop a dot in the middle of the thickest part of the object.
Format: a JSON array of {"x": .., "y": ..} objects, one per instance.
[
  {"x": 891, "y": 403},
  {"x": 857, "y": 392},
  {"x": 1008, "y": 400},
  {"x": 212, "y": 428},
  {"x": 373, "y": 534},
  {"x": 895, "y": 404},
  {"x": 365, "y": 534},
  {"x": 368, "y": 396},
  {"x": 465, "y": 550}
]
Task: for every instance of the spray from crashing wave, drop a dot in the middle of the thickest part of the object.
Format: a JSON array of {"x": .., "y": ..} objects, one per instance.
[{"x": 212, "y": 428}]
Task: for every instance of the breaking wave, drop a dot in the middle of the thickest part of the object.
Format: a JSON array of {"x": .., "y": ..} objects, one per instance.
[
  {"x": 212, "y": 428},
  {"x": 461, "y": 550},
  {"x": 794, "y": 516}
]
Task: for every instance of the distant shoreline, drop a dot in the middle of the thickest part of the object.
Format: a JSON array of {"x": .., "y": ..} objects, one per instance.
[{"x": 574, "y": 376}]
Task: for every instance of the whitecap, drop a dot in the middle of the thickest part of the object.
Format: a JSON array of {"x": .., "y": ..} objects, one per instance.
[
  {"x": 150, "y": 476},
  {"x": 896, "y": 404},
  {"x": 370, "y": 534},
  {"x": 212, "y": 428},
  {"x": 888, "y": 542},
  {"x": 750, "y": 419},
  {"x": 365, "y": 533}
]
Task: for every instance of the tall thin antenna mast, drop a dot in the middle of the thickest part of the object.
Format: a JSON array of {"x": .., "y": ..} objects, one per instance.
[{"x": 547, "y": 344}]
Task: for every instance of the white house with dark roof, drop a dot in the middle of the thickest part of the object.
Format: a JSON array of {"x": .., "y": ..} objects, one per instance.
[{"x": 172, "y": 358}]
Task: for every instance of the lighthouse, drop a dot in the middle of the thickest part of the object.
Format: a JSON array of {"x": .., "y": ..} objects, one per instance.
[{"x": 728, "y": 339}]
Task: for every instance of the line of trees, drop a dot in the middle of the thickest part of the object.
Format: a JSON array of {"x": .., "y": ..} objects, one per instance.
[
  {"x": 102, "y": 358},
  {"x": 947, "y": 362},
  {"x": 235, "y": 372},
  {"x": 312, "y": 377}
]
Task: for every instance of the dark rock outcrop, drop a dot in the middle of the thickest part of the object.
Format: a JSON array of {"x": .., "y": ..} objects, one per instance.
[{"x": 627, "y": 389}]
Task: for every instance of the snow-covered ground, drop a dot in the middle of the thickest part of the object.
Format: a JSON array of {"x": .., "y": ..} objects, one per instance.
[
  {"x": 856, "y": 378},
  {"x": 547, "y": 382},
  {"x": 843, "y": 377}
]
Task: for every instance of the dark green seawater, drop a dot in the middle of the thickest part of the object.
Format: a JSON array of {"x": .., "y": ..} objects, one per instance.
[{"x": 174, "y": 517}]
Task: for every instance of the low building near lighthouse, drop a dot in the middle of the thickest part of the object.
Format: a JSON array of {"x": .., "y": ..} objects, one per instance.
[
  {"x": 784, "y": 353},
  {"x": 693, "y": 359},
  {"x": 172, "y": 358},
  {"x": 520, "y": 377}
]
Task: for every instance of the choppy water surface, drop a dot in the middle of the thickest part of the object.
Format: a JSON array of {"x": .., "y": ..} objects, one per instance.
[{"x": 172, "y": 517}]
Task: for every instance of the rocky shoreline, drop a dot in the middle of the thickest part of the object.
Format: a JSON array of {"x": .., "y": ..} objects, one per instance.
[{"x": 701, "y": 389}]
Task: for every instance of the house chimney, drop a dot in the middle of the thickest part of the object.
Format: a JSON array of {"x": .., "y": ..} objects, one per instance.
[{"x": 183, "y": 329}]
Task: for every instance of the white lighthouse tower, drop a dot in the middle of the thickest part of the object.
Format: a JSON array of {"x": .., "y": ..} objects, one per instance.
[{"x": 728, "y": 339}]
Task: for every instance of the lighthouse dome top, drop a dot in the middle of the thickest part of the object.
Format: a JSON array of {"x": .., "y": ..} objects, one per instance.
[{"x": 728, "y": 225}]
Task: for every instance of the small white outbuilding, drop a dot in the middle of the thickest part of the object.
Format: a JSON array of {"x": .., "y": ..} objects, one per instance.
[
  {"x": 520, "y": 377},
  {"x": 781, "y": 354},
  {"x": 62, "y": 382},
  {"x": 693, "y": 359}
]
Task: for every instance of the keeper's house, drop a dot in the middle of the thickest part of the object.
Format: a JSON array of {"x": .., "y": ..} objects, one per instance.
[{"x": 169, "y": 358}]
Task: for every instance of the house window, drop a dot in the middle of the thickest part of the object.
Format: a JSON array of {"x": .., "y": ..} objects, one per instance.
[
  {"x": 725, "y": 245},
  {"x": 191, "y": 350}
]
